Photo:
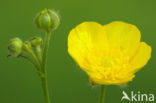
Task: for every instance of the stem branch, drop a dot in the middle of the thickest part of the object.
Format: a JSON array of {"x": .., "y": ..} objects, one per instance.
[
  {"x": 39, "y": 54},
  {"x": 35, "y": 60}
]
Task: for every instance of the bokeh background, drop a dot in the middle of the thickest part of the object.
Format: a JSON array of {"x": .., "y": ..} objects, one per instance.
[{"x": 19, "y": 82}]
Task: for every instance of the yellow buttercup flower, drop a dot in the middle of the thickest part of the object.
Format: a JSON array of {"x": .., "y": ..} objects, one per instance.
[{"x": 109, "y": 54}]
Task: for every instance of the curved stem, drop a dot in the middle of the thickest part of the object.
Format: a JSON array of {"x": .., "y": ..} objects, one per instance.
[
  {"x": 27, "y": 58},
  {"x": 34, "y": 59},
  {"x": 36, "y": 62},
  {"x": 44, "y": 70},
  {"x": 102, "y": 94}
]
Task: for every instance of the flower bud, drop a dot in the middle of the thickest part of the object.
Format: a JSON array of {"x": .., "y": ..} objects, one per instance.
[
  {"x": 47, "y": 20},
  {"x": 15, "y": 47},
  {"x": 36, "y": 41},
  {"x": 27, "y": 46}
]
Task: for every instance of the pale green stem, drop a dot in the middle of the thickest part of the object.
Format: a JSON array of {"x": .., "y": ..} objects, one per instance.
[
  {"x": 39, "y": 54},
  {"x": 44, "y": 70},
  {"x": 102, "y": 94},
  {"x": 36, "y": 62}
]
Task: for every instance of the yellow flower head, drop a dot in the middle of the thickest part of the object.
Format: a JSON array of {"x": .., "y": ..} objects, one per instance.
[{"x": 109, "y": 54}]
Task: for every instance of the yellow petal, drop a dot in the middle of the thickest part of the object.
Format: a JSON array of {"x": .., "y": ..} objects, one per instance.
[
  {"x": 141, "y": 57},
  {"x": 123, "y": 35},
  {"x": 84, "y": 38},
  {"x": 109, "y": 54}
]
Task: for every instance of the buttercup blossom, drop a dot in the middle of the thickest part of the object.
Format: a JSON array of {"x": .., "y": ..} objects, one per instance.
[{"x": 109, "y": 54}]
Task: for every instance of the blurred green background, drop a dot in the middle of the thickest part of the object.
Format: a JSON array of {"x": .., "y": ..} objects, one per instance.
[{"x": 19, "y": 82}]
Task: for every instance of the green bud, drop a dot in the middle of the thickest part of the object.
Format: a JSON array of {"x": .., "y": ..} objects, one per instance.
[
  {"x": 27, "y": 46},
  {"x": 47, "y": 20},
  {"x": 15, "y": 47},
  {"x": 36, "y": 41}
]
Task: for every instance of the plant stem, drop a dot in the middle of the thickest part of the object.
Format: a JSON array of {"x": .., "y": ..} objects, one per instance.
[
  {"x": 44, "y": 70},
  {"x": 102, "y": 94},
  {"x": 36, "y": 62},
  {"x": 45, "y": 88},
  {"x": 45, "y": 51},
  {"x": 39, "y": 54}
]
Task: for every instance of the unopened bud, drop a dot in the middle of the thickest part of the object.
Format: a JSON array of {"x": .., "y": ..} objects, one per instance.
[
  {"x": 36, "y": 41},
  {"x": 15, "y": 47},
  {"x": 26, "y": 46},
  {"x": 47, "y": 20}
]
